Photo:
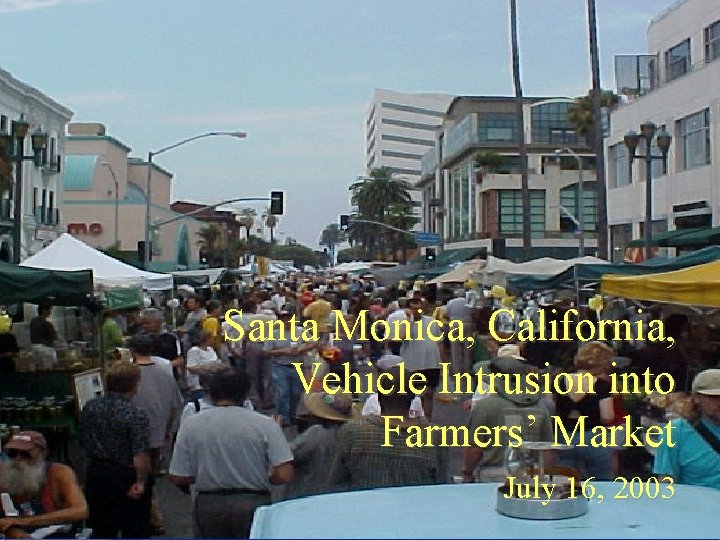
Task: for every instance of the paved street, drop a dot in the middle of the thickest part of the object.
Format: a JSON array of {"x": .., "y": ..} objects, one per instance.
[{"x": 176, "y": 506}]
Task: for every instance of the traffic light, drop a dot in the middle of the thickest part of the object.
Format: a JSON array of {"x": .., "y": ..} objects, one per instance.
[
  {"x": 344, "y": 222},
  {"x": 429, "y": 254},
  {"x": 277, "y": 203}
]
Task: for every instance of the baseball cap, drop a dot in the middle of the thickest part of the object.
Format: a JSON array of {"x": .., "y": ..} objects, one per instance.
[
  {"x": 707, "y": 382},
  {"x": 27, "y": 440}
]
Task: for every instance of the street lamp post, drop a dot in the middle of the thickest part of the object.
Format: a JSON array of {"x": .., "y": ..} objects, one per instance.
[
  {"x": 631, "y": 139},
  {"x": 13, "y": 145},
  {"x": 117, "y": 198},
  {"x": 581, "y": 199},
  {"x": 148, "y": 193}
]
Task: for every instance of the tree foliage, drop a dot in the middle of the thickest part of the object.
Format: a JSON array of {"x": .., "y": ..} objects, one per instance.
[
  {"x": 581, "y": 116},
  {"x": 384, "y": 199}
]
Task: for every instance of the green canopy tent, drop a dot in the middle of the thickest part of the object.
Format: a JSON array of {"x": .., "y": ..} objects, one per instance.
[
  {"x": 571, "y": 277},
  {"x": 34, "y": 285}
]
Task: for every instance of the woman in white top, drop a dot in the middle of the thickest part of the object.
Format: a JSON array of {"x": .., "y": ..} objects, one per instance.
[{"x": 201, "y": 354}]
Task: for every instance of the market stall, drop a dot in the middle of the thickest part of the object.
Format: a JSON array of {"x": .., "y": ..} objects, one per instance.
[
  {"x": 499, "y": 271},
  {"x": 69, "y": 253},
  {"x": 696, "y": 286},
  {"x": 37, "y": 391},
  {"x": 581, "y": 273},
  {"x": 460, "y": 274}
]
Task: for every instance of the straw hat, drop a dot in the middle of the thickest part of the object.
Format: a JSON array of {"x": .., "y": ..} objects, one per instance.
[{"x": 338, "y": 407}]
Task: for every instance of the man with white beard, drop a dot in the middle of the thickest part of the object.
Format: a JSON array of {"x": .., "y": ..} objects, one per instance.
[{"x": 43, "y": 493}]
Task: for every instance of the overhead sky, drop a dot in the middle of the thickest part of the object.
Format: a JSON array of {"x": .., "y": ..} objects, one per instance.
[{"x": 296, "y": 75}]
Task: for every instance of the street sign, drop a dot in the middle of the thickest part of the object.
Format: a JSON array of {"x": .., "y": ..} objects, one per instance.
[{"x": 426, "y": 238}]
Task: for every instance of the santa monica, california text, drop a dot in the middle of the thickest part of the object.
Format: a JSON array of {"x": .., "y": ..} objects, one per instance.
[{"x": 569, "y": 328}]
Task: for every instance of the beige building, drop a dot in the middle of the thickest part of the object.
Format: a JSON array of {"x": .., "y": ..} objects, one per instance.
[
  {"x": 105, "y": 203},
  {"x": 474, "y": 204}
]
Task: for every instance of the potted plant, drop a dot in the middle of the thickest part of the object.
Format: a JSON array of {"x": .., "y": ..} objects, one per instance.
[{"x": 487, "y": 162}]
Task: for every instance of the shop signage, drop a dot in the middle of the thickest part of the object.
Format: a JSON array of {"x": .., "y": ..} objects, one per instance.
[{"x": 94, "y": 229}]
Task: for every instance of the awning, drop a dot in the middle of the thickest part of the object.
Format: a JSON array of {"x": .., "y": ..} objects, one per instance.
[
  {"x": 696, "y": 286},
  {"x": 661, "y": 239},
  {"x": 34, "y": 285},
  {"x": 701, "y": 237}
]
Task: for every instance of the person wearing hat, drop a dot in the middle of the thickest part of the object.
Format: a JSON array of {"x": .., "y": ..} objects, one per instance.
[
  {"x": 374, "y": 451},
  {"x": 315, "y": 447},
  {"x": 319, "y": 312},
  {"x": 44, "y": 493},
  {"x": 372, "y": 403},
  {"x": 504, "y": 407},
  {"x": 695, "y": 457}
]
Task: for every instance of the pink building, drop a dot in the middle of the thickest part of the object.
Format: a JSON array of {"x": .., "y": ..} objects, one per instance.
[{"x": 104, "y": 200}]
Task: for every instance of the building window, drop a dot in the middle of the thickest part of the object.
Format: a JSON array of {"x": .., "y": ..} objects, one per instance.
[
  {"x": 498, "y": 127},
  {"x": 569, "y": 199},
  {"x": 695, "y": 139},
  {"x": 550, "y": 124},
  {"x": 620, "y": 166},
  {"x": 511, "y": 214},
  {"x": 712, "y": 41},
  {"x": 677, "y": 61}
]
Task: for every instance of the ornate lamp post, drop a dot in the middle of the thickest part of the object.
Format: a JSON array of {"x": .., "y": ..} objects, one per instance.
[
  {"x": 632, "y": 139},
  {"x": 13, "y": 146}
]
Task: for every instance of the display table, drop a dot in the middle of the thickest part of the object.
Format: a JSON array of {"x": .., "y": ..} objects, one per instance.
[{"x": 468, "y": 511}]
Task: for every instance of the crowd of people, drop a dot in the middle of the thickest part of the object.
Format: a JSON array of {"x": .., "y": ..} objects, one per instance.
[{"x": 228, "y": 420}]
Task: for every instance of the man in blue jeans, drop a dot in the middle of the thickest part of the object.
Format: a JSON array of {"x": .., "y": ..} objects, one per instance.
[{"x": 283, "y": 352}]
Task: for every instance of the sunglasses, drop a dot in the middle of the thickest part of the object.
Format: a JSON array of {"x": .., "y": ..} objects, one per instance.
[{"x": 22, "y": 454}]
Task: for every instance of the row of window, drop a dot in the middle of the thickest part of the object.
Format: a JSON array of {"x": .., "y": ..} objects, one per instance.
[
  {"x": 691, "y": 144},
  {"x": 678, "y": 58},
  {"x": 511, "y": 214}
]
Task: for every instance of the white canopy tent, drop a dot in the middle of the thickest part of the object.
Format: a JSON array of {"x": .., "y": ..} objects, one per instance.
[
  {"x": 461, "y": 273},
  {"x": 69, "y": 253},
  {"x": 496, "y": 270}
]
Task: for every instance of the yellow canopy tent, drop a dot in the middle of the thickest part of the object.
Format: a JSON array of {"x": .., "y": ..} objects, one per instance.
[{"x": 696, "y": 286}]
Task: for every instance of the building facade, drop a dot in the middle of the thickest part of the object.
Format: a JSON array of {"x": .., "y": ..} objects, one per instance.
[
  {"x": 471, "y": 182},
  {"x": 675, "y": 86},
  {"x": 105, "y": 203},
  {"x": 42, "y": 208},
  {"x": 399, "y": 129}
]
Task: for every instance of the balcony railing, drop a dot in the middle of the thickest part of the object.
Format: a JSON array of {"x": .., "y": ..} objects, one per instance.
[{"x": 636, "y": 74}]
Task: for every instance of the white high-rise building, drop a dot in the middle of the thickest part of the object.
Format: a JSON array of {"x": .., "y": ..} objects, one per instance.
[{"x": 400, "y": 129}]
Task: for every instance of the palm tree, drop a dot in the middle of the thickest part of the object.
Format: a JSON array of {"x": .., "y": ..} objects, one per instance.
[
  {"x": 271, "y": 222},
  {"x": 376, "y": 198},
  {"x": 211, "y": 240},
  {"x": 527, "y": 246},
  {"x": 582, "y": 117},
  {"x": 247, "y": 219},
  {"x": 330, "y": 237}
]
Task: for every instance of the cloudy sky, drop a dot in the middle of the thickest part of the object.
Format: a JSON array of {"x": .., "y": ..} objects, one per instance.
[{"x": 296, "y": 75}]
